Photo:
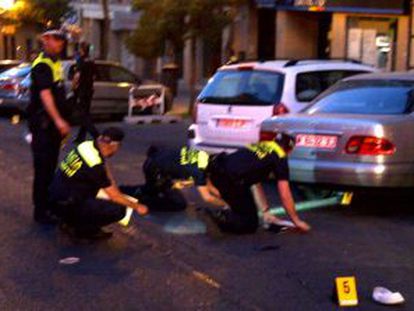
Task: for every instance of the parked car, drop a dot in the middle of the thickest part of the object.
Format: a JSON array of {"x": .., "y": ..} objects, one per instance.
[
  {"x": 232, "y": 106},
  {"x": 10, "y": 85},
  {"x": 112, "y": 85},
  {"x": 359, "y": 133},
  {"x": 7, "y": 64}
]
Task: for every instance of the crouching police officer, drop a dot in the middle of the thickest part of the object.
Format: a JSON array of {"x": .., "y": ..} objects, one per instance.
[
  {"x": 234, "y": 175},
  {"x": 47, "y": 120},
  {"x": 77, "y": 182},
  {"x": 164, "y": 166}
]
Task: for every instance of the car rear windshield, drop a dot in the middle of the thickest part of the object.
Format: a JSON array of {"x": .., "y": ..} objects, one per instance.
[
  {"x": 366, "y": 97},
  {"x": 247, "y": 88},
  {"x": 16, "y": 72}
]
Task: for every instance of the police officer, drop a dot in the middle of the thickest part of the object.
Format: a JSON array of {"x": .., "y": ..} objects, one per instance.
[
  {"x": 47, "y": 118},
  {"x": 234, "y": 175},
  {"x": 163, "y": 166},
  {"x": 83, "y": 80},
  {"x": 77, "y": 182}
]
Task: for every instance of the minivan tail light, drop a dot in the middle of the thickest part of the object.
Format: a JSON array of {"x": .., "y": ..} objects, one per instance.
[
  {"x": 369, "y": 145},
  {"x": 280, "y": 109},
  {"x": 267, "y": 136},
  {"x": 245, "y": 68}
]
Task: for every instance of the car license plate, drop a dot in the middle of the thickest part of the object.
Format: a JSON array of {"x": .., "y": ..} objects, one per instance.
[
  {"x": 316, "y": 141},
  {"x": 233, "y": 123}
]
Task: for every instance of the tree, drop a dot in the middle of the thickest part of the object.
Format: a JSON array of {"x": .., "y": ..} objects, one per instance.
[
  {"x": 105, "y": 29},
  {"x": 173, "y": 22},
  {"x": 41, "y": 13}
]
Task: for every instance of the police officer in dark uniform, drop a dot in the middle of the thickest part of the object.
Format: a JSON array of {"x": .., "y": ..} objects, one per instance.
[
  {"x": 47, "y": 118},
  {"x": 77, "y": 182},
  {"x": 83, "y": 80},
  {"x": 164, "y": 166},
  {"x": 235, "y": 174}
]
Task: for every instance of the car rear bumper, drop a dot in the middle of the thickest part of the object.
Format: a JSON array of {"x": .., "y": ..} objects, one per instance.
[
  {"x": 212, "y": 148},
  {"x": 352, "y": 174}
]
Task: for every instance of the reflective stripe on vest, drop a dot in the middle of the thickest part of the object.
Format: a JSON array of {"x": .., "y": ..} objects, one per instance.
[
  {"x": 55, "y": 67},
  {"x": 203, "y": 158},
  {"x": 89, "y": 153},
  {"x": 265, "y": 148},
  {"x": 191, "y": 156}
]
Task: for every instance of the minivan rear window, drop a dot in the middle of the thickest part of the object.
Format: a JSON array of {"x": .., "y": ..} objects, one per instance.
[
  {"x": 251, "y": 87},
  {"x": 366, "y": 97}
]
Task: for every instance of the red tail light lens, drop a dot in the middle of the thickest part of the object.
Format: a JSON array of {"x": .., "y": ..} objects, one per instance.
[
  {"x": 280, "y": 109},
  {"x": 267, "y": 136},
  {"x": 9, "y": 87},
  {"x": 368, "y": 145}
]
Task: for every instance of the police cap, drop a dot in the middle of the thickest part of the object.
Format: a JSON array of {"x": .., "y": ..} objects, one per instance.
[{"x": 55, "y": 33}]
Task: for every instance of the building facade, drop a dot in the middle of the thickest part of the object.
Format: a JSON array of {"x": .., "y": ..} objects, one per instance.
[
  {"x": 376, "y": 32},
  {"x": 123, "y": 20}
]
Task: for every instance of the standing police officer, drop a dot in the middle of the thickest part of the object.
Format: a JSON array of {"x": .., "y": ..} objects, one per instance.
[
  {"x": 83, "y": 88},
  {"x": 47, "y": 119}
]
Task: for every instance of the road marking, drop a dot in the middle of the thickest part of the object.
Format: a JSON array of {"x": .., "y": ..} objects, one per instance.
[{"x": 206, "y": 279}]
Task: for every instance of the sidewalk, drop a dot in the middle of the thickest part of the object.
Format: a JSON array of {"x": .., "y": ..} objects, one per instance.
[{"x": 181, "y": 104}]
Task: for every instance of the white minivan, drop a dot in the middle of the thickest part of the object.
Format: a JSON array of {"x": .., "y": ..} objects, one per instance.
[{"x": 239, "y": 97}]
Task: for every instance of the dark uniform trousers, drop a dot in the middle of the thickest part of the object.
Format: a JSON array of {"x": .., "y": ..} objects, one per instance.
[
  {"x": 91, "y": 214},
  {"x": 45, "y": 146},
  {"x": 84, "y": 101},
  {"x": 242, "y": 217},
  {"x": 157, "y": 193}
]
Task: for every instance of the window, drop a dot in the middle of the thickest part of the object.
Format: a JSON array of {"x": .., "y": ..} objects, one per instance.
[
  {"x": 249, "y": 87},
  {"x": 366, "y": 97},
  {"x": 118, "y": 74},
  {"x": 102, "y": 73},
  {"x": 20, "y": 71},
  {"x": 310, "y": 84}
]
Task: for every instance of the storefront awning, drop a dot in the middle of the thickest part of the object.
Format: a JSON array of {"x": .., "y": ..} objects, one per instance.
[{"x": 353, "y": 6}]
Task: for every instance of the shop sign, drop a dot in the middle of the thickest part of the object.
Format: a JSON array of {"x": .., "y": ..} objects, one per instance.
[{"x": 365, "y": 6}]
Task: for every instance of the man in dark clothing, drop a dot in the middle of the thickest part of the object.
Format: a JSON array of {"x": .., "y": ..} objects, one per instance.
[
  {"x": 47, "y": 119},
  {"x": 81, "y": 175},
  {"x": 83, "y": 80},
  {"x": 164, "y": 166},
  {"x": 234, "y": 175}
]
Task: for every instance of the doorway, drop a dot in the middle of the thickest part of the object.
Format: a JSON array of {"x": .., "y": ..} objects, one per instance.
[{"x": 266, "y": 28}]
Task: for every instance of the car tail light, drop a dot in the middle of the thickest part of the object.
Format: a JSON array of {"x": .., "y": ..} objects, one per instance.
[
  {"x": 194, "y": 112},
  {"x": 280, "y": 109},
  {"x": 245, "y": 68},
  {"x": 9, "y": 86},
  {"x": 267, "y": 136},
  {"x": 369, "y": 145}
]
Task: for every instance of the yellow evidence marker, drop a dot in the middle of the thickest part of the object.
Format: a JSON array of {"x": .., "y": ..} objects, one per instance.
[{"x": 346, "y": 291}]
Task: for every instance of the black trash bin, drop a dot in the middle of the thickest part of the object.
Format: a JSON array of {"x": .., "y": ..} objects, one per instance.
[{"x": 169, "y": 77}]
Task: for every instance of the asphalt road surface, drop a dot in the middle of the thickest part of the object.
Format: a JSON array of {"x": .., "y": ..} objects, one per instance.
[{"x": 169, "y": 262}]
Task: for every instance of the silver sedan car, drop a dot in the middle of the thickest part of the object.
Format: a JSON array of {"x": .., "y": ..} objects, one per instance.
[{"x": 359, "y": 133}]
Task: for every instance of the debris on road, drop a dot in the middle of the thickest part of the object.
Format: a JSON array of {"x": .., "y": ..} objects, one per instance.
[
  {"x": 206, "y": 279},
  {"x": 384, "y": 296},
  {"x": 69, "y": 261}
]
